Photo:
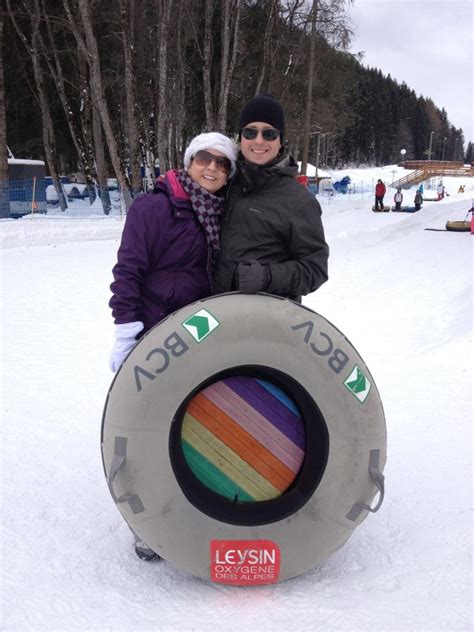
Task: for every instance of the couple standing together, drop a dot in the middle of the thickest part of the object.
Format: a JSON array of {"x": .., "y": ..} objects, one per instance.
[{"x": 227, "y": 221}]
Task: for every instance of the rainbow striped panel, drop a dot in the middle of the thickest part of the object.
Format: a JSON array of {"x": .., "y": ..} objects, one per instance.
[{"x": 244, "y": 439}]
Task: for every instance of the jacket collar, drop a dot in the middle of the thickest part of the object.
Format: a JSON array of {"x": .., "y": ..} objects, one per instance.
[{"x": 252, "y": 176}]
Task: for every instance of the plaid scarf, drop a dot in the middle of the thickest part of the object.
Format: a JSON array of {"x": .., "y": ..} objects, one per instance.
[{"x": 207, "y": 207}]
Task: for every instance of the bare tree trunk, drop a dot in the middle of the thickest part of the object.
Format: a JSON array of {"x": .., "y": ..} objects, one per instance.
[
  {"x": 227, "y": 67},
  {"x": 266, "y": 44},
  {"x": 216, "y": 105},
  {"x": 179, "y": 116},
  {"x": 4, "y": 184},
  {"x": 85, "y": 118},
  {"x": 56, "y": 71},
  {"x": 101, "y": 165},
  {"x": 146, "y": 140},
  {"x": 34, "y": 49},
  {"x": 48, "y": 128},
  {"x": 128, "y": 28},
  {"x": 225, "y": 48},
  {"x": 309, "y": 95},
  {"x": 206, "y": 65},
  {"x": 292, "y": 10},
  {"x": 89, "y": 45},
  {"x": 162, "y": 138}
]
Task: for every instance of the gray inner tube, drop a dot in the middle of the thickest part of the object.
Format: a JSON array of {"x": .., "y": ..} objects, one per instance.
[{"x": 310, "y": 361}]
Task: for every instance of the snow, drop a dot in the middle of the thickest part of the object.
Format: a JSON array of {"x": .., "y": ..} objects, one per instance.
[{"x": 402, "y": 295}]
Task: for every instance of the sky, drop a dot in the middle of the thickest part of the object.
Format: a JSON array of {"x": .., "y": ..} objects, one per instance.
[
  {"x": 401, "y": 294},
  {"x": 427, "y": 44}
]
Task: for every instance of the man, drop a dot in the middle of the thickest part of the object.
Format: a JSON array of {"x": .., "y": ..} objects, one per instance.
[
  {"x": 272, "y": 238},
  {"x": 380, "y": 191}
]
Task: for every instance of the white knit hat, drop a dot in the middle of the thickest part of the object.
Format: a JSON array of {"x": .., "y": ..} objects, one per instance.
[{"x": 211, "y": 140}]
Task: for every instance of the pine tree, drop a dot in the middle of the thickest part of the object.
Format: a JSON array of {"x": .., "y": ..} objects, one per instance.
[{"x": 469, "y": 156}]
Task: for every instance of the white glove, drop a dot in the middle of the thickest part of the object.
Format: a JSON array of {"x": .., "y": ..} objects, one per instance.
[{"x": 124, "y": 343}]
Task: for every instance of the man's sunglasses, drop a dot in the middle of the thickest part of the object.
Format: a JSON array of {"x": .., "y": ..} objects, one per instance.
[
  {"x": 204, "y": 158},
  {"x": 250, "y": 133}
]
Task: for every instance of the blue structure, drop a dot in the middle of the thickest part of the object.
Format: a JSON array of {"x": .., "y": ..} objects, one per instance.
[
  {"x": 26, "y": 196},
  {"x": 26, "y": 187},
  {"x": 63, "y": 179}
]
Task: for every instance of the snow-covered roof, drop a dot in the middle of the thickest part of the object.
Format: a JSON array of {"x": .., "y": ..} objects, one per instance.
[
  {"x": 22, "y": 161},
  {"x": 68, "y": 187}
]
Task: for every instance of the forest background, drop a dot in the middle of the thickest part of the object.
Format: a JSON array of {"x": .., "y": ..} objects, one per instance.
[{"x": 104, "y": 89}]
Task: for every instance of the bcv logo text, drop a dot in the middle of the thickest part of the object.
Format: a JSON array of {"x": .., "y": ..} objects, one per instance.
[{"x": 244, "y": 562}]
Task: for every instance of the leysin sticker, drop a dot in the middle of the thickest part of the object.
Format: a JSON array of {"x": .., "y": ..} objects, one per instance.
[{"x": 244, "y": 562}]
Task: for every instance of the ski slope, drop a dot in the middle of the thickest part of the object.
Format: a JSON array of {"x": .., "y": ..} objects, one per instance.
[{"x": 402, "y": 295}]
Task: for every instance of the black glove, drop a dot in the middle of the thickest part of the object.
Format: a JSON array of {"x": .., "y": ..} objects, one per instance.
[{"x": 252, "y": 277}]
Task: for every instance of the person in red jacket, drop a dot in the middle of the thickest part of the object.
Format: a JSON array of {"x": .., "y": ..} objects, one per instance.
[{"x": 379, "y": 195}]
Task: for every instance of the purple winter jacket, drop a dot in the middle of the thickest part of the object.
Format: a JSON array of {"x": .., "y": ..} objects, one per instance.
[{"x": 162, "y": 258}]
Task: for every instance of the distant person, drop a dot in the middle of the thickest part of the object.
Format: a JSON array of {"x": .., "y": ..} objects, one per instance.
[
  {"x": 421, "y": 188},
  {"x": 380, "y": 191},
  {"x": 440, "y": 191},
  {"x": 398, "y": 199},
  {"x": 418, "y": 200},
  {"x": 461, "y": 189}
]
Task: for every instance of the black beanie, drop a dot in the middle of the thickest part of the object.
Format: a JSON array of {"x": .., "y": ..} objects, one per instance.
[{"x": 263, "y": 108}]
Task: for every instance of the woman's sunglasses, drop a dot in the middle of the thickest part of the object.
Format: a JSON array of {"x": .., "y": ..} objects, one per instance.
[
  {"x": 204, "y": 158},
  {"x": 250, "y": 133}
]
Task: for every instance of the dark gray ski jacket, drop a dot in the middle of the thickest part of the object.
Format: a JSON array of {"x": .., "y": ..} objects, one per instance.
[{"x": 272, "y": 218}]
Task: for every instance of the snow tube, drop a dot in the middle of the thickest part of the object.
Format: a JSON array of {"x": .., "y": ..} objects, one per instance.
[
  {"x": 244, "y": 439},
  {"x": 459, "y": 226},
  {"x": 406, "y": 209}
]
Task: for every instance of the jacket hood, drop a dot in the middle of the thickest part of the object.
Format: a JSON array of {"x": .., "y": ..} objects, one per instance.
[{"x": 171, "y": 187}]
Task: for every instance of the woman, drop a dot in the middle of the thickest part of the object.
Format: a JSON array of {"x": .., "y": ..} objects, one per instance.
[
  {"x": 169, "y": 240},
  {"x": 165, "y": 259}
]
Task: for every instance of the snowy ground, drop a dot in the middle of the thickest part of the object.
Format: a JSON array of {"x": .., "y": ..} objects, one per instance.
[{"x": 402, "y": 295}]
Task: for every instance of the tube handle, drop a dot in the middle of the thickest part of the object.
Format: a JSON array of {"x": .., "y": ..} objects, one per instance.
[
  {"x": 378, "y": 480},
  {"x": 120, "y": 452}
]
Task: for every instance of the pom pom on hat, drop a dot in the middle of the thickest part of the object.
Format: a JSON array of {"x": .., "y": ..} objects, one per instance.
[
  {"x": 263, "y": 108},
  {"x": 211, "y": 140}
]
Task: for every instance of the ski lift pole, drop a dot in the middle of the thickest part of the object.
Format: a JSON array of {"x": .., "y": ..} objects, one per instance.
[{"x": 33, "y": 196}]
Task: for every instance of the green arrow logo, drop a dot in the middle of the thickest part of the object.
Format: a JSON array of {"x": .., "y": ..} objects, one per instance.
[
  {"x": 358, "y": 384},
  {"x": 200, "y": 324}
]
